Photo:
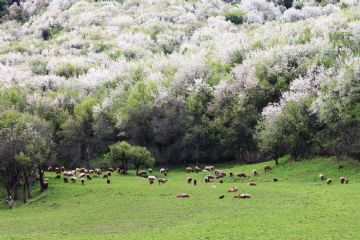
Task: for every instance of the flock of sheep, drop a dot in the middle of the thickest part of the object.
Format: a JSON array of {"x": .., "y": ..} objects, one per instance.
[{"x": 211, "y": 174}]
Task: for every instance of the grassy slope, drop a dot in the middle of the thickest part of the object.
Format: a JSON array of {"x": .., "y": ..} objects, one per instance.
[{"x": 297, "y": 207}]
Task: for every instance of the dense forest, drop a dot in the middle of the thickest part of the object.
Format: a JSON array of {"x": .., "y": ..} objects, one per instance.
[{"x": 176, "y": 81}]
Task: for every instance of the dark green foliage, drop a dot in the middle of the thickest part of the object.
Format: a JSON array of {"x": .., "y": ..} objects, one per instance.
[{"x": 235, "y": 16}]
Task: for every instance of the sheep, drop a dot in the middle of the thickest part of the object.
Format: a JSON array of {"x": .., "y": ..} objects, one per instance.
[
  {"x": 91, "y": 171},
  {"x": 189, "y": 169},
  {"x": 267, "y": 168},
  {"x": 151, "y": 179},
  {"x": 142, "y": 174},
  {"x": 243, "y": 175},
  {"x": 276, "y": 180},
  {"x": 189, "y": 180},
  {"x": 58, "y": 176},
  {"x": 197, "y": 169},
  {"x": 88, "y": 176},
  {"x": 111, "y": 170},
  {"x": 66, "y": 180},
  {"x": 221, "y": 181},
  {"x": 211, "y": 177},
  {"x": 83, "y": 170},
  {"x": 98, "y": 171},
  {"x": 195, "y": 182},
  {"x": 46, "y": 183},
  {"x": 206, "y": 179},
  {"x": 105, "y": 176},
  {"x": 82, "y": 181},
  {"x": 328, "y": 182},
  {"x": 252, "y": 184},
  {"x": 150, "y": 170},
  {"x": 57, "y": 170},
  {"x": 322, "y": 177},
  {"x": 245, "y": 195},
  {"x": 73, "y": 179},
  {"x": 108, "y": 181},
  {"x": 109, "y": 174},
  {"x": 183, "y": 195},
  {"x": 220, "y": 174},
  {"x": 255, "y": 173},
  {"x": 221, "y": 197},
  {"x": 162, "y": 180},
  {"x": 231, "y": 174},
  {"x": 205, "y": 171},
  {"x": 62, "y": 169},
  {"x": 209, "y": 168},
  {"x": 82, "y": 175},
  {"x": 162, "y": 170},
  {"x": 50, "y": 169},
  {"x": 342, "y": 180},
  {"x": 233, "y": 189}
]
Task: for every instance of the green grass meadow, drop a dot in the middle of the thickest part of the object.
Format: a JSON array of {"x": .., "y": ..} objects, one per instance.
[{"x": 299, "y": 206}]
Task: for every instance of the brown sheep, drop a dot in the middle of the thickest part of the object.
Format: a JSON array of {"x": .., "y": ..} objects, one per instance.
[
  {"x": 328, "y": 182},
  {"x": 342, "y": 180},
  {"x": 197, "y": 169},
  {"x": 233, "y": 189},
  {"x": 244, "y": 195},
  {"x": 66, "y": 180},
  {"x": 209, "y": 168},
  {"x": 189, "y": 180},
  {"x": 183, "y": 195},
  {"x": 88, "y": 176},
  {"x": 189, "y": 169},
  {"x": 267, "y": 168},
  {"x": 109, "y": 174},
  {"x": 162, "y": 180},
  {"x": 242, "y": 175},
  {"x": 255, "y": 173}
]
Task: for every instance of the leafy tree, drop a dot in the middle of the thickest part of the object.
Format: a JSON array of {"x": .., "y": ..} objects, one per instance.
[{"x": 140, "y": 157}]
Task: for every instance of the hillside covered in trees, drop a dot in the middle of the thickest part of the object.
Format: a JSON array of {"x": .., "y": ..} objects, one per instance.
[{"x": 191, "y": 81}]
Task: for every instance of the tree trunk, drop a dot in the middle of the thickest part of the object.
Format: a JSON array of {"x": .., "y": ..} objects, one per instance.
[
  {"x": 87, "y": 156},
  {"x": 137, "y": 170},
  {"x": 41, "y": 179},
  {"x": 24, "y": 192},
  {"x": 276, "y": 158}
]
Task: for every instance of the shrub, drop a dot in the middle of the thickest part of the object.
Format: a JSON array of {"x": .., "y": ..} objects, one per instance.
[{"x": 235, "y": 16}]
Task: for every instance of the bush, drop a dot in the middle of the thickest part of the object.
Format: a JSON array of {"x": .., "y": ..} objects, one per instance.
[{"x": 235, "y": 16}]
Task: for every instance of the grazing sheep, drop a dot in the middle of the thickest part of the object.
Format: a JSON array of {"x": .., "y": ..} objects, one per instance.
[
  {"x": 220, "y": 174},
  {"x": 183, "y": 195},
  {"x": 151, "y": 179},
  {"x": 209, "y": 168},
  {"x": 105, "y": 176},
  {"x": 108, "y": 181},
  {"x": 58, "y": 176},
  {"x": 231, "y": 174},
  {"x": 276, "y": 180},
  {"x": 109, "y": 174},
  {"x": 328, "y": 182},
  {"x": 142, "y": 174},
  {"x": 50, "y": 169},
  {"x": 197, "y": 169},
  {"x": 189, "y": 169},
  {"x": 189, "y": 180},
  {"x": 162, "y": 170},
  {"x": 46, "y": 183},
  {"x": 83, "y": 170},
  {"x": 267, "y": 168},
  {"x": 211, "y": 177},
  {"x": 255, "y": 173},
  {"x": 244, "y": 195},
  {"x": 205, "y": 171},
  {"x": 150, "y": 170},
  {"x": 221, "y": 197},
  {"x": 91, "y": 171},
  {"x": 162, "y": 180},
  {"x": 342, "y": 180},
  {"x": 206, "y": 179},
  {"x": 252, "y": 184},
  {"x": 233, "y": 189},
  {"x": 62, "y": 169},
  {"x": 195, "y": 182},
  {"x": 66, "y": 180},
  {"x": 82, "y": 175},
  {"x": 73, "y": 179},
  {"x": 242, "y": 175},
  {"x": 98, "y": 171},
  {"x": 88, "y": 176},
  {"x": 82, "y": 181},
  {"x": 57, "y": 170},
  {"x": 322, "y": 177}
]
